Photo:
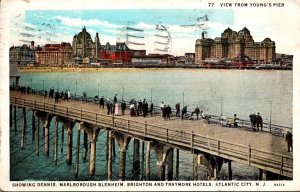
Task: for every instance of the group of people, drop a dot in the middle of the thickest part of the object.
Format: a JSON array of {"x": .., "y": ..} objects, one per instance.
[
  {"x": 25, "y": 90},
  {"x": 137, "y": 108},
  {"x": 166, "y": 111},
  {"x": 256, "y": 121}
]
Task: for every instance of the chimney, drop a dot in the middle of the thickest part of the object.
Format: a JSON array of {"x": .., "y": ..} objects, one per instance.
[{"x": 202, "y": 35}]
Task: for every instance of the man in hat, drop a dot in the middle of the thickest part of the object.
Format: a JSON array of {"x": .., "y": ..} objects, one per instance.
[
  {"x": 177, "y": 107},
  {"x": 289, "y": 141},
  {"x": 259, "y": 122}
]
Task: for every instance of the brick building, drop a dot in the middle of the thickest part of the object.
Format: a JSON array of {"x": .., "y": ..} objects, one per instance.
[
  {"x": 53, "y": 54},
  {"x": 22, "y": 55},
  {"x": 234, "y": 44},
  {"x": 118, "y": 53}
]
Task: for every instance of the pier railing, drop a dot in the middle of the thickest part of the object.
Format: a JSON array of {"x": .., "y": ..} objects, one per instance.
[{"x": 270, "y": 161}]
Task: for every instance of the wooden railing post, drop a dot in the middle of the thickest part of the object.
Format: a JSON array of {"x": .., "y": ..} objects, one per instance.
[
  {"x": 113, "y": 121},
  {"x": 128, "y": 126},
  {"x": 145, "y": 128},
  {"x": 44, "y": 106},
  {"x": 34, "y": 104},
  {"x": 281, "y": 168},
  {"x": 24, "y": 103},
  {"x": 192, "y": 141},
  {"x": 81, "y": 114},
  {"x": 249, "y": 154},
  {"x": 96, "y": 118},
  {"x": 218, "y": 147},
  {"x": 167, "y": 135},
  {"x": 54, "y": 108},
  {"x": 67, "y": 111}
]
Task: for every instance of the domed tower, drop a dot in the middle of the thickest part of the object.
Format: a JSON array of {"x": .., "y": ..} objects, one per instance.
[{"x": 83, "y": 44}]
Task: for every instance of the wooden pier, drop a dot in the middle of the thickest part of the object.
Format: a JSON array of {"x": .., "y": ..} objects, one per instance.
[{"x": 211, "y": 144}]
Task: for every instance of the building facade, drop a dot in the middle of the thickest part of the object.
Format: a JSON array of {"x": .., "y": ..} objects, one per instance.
[
  {"x": 22, "y": 55},
  {"x": 54, "y": 54},
  {"x": 232, "y": 45},
  {"x": 84, "y": 46},
  {"x": 118, "y": 53}
]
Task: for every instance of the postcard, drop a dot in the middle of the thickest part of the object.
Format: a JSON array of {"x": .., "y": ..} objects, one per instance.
[{"x": 131, "y": 95}]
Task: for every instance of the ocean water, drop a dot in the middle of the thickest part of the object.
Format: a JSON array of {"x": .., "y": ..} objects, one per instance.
[{"x": 231, "y": 91}]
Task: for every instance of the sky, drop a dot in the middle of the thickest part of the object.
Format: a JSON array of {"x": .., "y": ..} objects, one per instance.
[
  {"x": 172, "y": 30},
  {"x": 183, "y": 23}
]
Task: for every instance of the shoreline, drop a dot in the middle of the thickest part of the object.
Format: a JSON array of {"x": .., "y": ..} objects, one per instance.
[{"x": 110, "y": 69}]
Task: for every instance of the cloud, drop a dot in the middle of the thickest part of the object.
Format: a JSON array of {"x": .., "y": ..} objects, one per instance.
[{"x": 78, "y": 22}]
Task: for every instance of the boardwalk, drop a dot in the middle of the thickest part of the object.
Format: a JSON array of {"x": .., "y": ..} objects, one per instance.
[{"x": 259, "y": 143}]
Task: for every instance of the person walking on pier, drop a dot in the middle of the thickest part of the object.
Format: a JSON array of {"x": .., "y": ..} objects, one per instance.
[
  {"x": 161, "y": 107},
  {"x": 151, "y": 109},
  {"x": 68, "y": 95},
  {"x": 234, "y": 121},
  {"x": 56, "y": 97},
  {"x": 115, "y": 99},
  {"x": 45, "y": 94},
  {"x": 177, "y": 107},
  {"x": 183, "y": 112},
  {"x": 289, "y": 141},
  {"x": 101, "y": 102},
  {"x": 108, "y": 106},
  {"x": 168, "y": 111},
  {"x": 259, "y": 122},
  {"x": 253, "y": 121},
  {"x": 123, "y": 107},
  {"x": 197, "y": 111}
]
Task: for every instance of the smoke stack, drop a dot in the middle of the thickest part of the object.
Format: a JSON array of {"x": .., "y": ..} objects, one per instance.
[{"x": 202, "y": 35}]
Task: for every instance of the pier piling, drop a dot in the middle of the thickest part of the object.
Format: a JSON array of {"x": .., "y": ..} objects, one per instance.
[
  {"x": 77, "y": 153},
  {"x": 56, "y": 141},
  {"x": 109, "y": 155},
  {"x": 136, "y": 157},
  {"x": 170, "y": 164},
  {"x": 24, "y": 125},
  {"x": 148, "y": 161}
]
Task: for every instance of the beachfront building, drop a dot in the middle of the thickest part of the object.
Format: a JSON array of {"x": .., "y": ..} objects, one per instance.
[
  {"x": 189, "y": 58},
  {"x": 154, "y": 59},
  {"x": 118, "y": 53},
  {"x": 22, "y": 55},
  {"x": 85, "y": 47},
  {"x": 53, "y": 54},
  {"x": 234, "y": 44}
]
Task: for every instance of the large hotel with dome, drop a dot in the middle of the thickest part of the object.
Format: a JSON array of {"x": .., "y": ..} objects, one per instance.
[{"x": 234, "y": 46}]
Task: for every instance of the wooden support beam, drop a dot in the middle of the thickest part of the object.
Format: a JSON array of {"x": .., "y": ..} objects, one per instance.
[
  {"x": 122, "y": 165},
  {"x": 195, "y": 167},
  {"x": 177, "y": 164},
  {"x": 69, "y": 146},
  {"x": 24, "y": 125},
  {"x": 136, "y": 157},
  {"x": 15, "y": 119},
  {"x": 46, "y": 140},
  {"x": 56, "y": 142},
  {"x": 62, "y": 139},
  {"x": 10, "y": 115},
  {"x": 33, "y": 126},
  {"x": 77, "y": 154},
  {"x": 170, "y": 164},
  {"x": 37, "y": 148},
  {"x": 161, "y": 172},
  {"x": 92, "y": 156},
  {"x": 85, "y": 146},
  {"x": 109, "y": 155},
  {"x": 229, "y": 170},
  {"x": 148, "y": 161}
]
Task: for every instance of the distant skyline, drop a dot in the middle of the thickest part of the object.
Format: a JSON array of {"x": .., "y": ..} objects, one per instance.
[{"x": 184, "y": 26}]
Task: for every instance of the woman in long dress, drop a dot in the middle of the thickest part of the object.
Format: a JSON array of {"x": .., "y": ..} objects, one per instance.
[{"x": 117, "y": 107}]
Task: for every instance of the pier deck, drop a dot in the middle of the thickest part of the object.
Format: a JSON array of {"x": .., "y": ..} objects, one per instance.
[{"x": 267, "y": 146}]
